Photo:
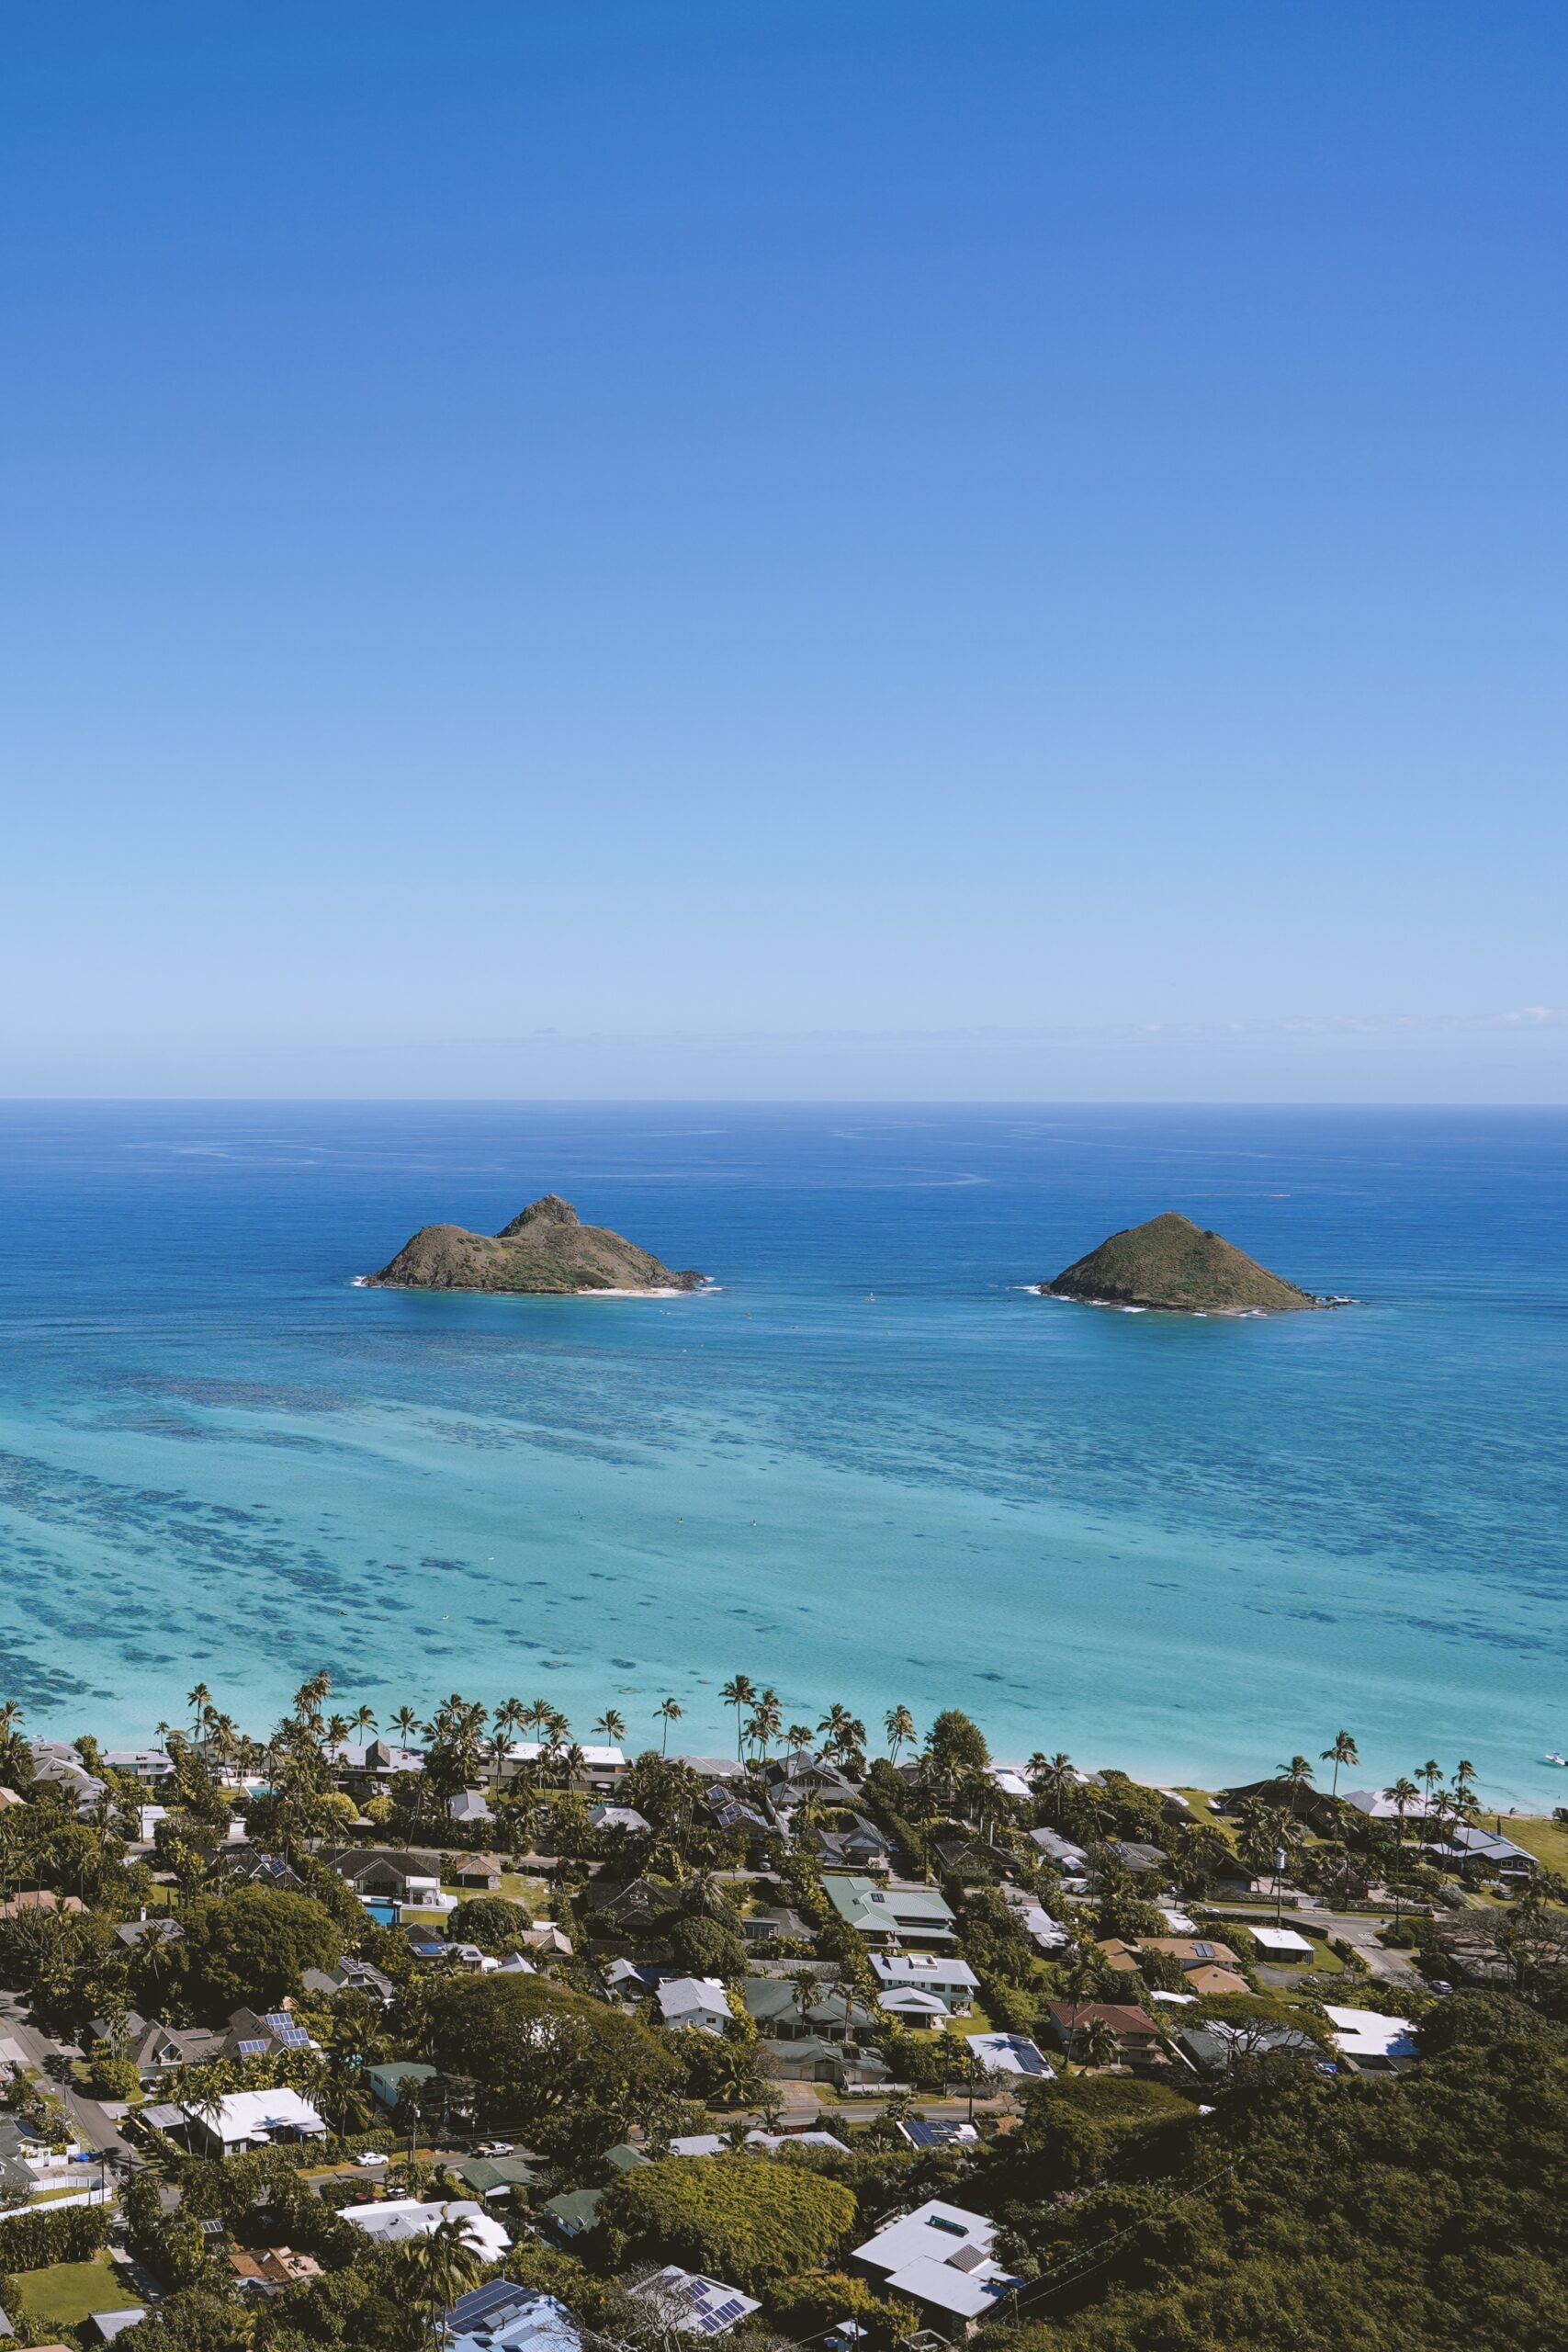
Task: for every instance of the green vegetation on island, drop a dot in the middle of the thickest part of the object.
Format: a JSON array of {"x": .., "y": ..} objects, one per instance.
[
  {"x": 1173, "y": 1263},
  {"x": 546, "y": 1251}
]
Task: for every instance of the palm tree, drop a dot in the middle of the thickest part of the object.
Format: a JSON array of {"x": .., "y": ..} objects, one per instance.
[
  {"x": 798, "y": 1736},
  {"x": 1344, "y": 1751},
  {"x": 1431, "y": 1772},
  {"x": 846, "y": 1732},
  {"x": 441, "y": 2268},
  {"x": 196, "y": 1700},
  {"x": 1297, "y": 1775},
  {"x": 739, "y": 1692},
  {"x": 669, "y": 1712},
  {"x": 764, "y": 1722},
  {"x": 1097, "y": 2044},
  {"x": 899, "y": 1725},
  {"x": 1052, "y": 1776},
  {"x": 405, "y": 1722},
  {"x": 611, "y": 1727},
  {"x": 1404, "y": 1794}
]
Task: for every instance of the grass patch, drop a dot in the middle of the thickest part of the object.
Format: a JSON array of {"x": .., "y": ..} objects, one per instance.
[
  {"x": 1545, "y": 1839},
  {"x": 63, "y": 2295},
  {"x": 1204, "y": 1815}
]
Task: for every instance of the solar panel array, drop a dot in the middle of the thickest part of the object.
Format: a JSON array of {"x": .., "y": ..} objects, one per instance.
[{"x": 251, "y": 2048}]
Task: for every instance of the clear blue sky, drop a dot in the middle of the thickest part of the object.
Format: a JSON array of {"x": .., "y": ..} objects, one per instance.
[{"x": 784, "y": 548}]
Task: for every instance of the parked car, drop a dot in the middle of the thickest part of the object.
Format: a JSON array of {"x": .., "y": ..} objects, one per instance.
[{"x": 497, "y": 2148}]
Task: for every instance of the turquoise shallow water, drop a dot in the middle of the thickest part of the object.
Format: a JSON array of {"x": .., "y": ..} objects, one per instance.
[{"x": 1193, "y": 1547}]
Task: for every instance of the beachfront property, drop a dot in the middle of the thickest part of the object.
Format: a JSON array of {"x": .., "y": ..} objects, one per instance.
[{"x": 891, "y": 1914}]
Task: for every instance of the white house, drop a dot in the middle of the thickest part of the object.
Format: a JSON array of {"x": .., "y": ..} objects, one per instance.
[
  {"x": 1011, "y": 2053},
  {"x": 928, "y": 1972},
  {"x": 698, "y": 2002},
  {"x": 252, "y": 2119},
  {"x": 938, "y": 2257},
  {"x": 1374, "y": 2044},
  {"x": 402, "y": 2218},
  {"x": 601, "y": 1767},
  {"x": 696, "y": 2305},
  {"x": 470, "y": 1805},
  {"x": 502, "y": 2317},
  {"x": 914, "y": 2009},
  {"x": 1283, "y": 1944}
]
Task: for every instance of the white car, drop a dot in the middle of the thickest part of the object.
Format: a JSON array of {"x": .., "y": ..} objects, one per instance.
[
  {"x": 372, "y": 2159},
  {"x": 497, "y": 2147}
]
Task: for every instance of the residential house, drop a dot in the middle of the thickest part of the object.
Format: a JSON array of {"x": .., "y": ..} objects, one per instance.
[
  {"x": 1284, "y": 1947},
  {"x": 244, "y": 2119},
  {"x": 1192, "y": 1951},
  {"x": 134, "y": 1933},
  {"x": 694, "y": 2004},
  {"x": 479, "y": 1874},
  {"x": 1370, "y": 2042},
  {"x": 57, "y": 1765},
  {"x": 860, "y": 1847},
  {"x": 811, "y": 2058},
  {"x": 469, "y": 1805},
  {"x": 1059, "y": 1852},
  {"x": 149, "y": 1765},
  {"x": 1214, "y": 2048},
  {"x": 254, "y": 2036},
  {"x": 777, "y": 1923},
  {"x": 953, "y": 1981},
  {"x": 1011, "y": 2053},
  {"x": 685, "y": 2301},
  {"x": 599, "y": 1767},
  {"x": 248, "y": 1867},
  {"x": 918, "y": 2133},
  {"x": 153, "y": 2047},
  {"x": 619, "y": 1816},
  {"x": 573, "y": 2214},
  {"x": 390, "y": 1874},
  {"x": 386, "y": 2080},
  {"x": 401, "y": 2218},
  {"x": 1483, "y": 1853},
  {"x": 939, "y": 2257},
  {"x": 833, "y": 2011},
  {"x": 503, "y": 2317},
  {"x": 626, "y": 1909},
  {"x": 916, "y": 2010},
  {"x": 1207, "y": 1980},
  {"x": 351, "y": 1975},
  {"x": 802, "y": 1773},
  {"x": 1144, "y": 1862},
  {"x": 1046, "y": 1934},
  {"x": 18, "y": 1906},
  {"x": 1138, "y": 2036},
  {"x": 272, "y": 2267},
  {"x": 709, "y": 1769},
  {"x": 892, "y": 1914},
  {"x": 367, "y": 1769}
]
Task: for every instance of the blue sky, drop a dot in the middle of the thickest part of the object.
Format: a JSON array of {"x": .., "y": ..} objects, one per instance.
[{"x": 803, "y": 549}]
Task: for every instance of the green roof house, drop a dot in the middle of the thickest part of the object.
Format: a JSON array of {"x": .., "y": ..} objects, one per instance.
[{"x": 891, "y": 1914}]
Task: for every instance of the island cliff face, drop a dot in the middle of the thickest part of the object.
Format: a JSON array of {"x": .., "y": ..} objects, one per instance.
[
  {"x": 1173, "y": 1263},
  {"x": 547, "y": 1250}
]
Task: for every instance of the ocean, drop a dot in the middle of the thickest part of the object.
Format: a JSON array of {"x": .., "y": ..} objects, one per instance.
[{"x": 868, "y": 1467}]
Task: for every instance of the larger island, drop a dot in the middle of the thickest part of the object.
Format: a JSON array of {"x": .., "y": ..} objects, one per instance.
[
  {"x": 1170, "y": 1263},
  {"x": 547, "y": 1250}
]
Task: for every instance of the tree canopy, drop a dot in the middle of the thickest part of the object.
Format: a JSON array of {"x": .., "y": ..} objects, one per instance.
[
  {"x": 567, "y": 2070},
  {"x": 748, "y": 2220}
]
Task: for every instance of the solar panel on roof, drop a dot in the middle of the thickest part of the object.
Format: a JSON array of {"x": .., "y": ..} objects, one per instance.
[
  {"x": 252, "y": 2049},
  {"x": 279, "y": 2021}
]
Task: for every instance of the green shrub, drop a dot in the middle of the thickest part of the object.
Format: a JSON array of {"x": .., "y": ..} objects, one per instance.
[
  {"x": 750, "y": 2220},
  {"x": 33, "y": 2241}
]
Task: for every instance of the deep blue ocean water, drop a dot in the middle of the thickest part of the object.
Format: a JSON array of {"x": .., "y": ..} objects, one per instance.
[{"x": 1190, "y": 1547}]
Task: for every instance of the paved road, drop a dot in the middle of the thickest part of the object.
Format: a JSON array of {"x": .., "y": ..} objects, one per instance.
[
  {"x": 91, "y": 2125},
  {"x": 1359, "y": 1931}
]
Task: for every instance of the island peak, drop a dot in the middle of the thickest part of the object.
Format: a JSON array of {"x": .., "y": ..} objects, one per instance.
[
  {"x": 1185, "y": 1268},
  {"x": 545, "y": 1251}
]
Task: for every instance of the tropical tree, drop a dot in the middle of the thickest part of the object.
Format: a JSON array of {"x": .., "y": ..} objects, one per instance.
[
  {"x": 1343, "y": 1751},
  {"x": 440, "y": 2268},
  {"x": 611, "y": 1727},
  {"x": 196, "y": 1700},
  {"x": 1053, "y": 1777},
  {"x": 899, "y": 1725},
  {"x": 739, "y": 1692},
  {"x": 405, "y": 1722},
  {"x": 1297, "y": 1776},
  {"x": 764, "y": 1722},
  {"x": 1095, "y": 2044},
  {"x": 669, "y": 1710}
]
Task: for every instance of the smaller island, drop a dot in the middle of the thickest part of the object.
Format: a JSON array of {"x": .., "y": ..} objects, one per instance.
[
  {"x": 546, "y": 1252},
  {"x": 1172, "y": 1263}
]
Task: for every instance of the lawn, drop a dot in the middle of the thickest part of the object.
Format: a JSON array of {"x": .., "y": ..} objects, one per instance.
[
  {"x": 1203, "y": 1815},
  {"x": 62, "y": 2295},
  {"x": 1546, "y": 1840}
]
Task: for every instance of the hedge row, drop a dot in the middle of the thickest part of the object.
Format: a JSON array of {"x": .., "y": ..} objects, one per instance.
[{"x": 69, "y": 2233}]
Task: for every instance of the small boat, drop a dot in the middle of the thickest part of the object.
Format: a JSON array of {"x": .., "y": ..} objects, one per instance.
[{"x": 1552, "y": 1758}]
